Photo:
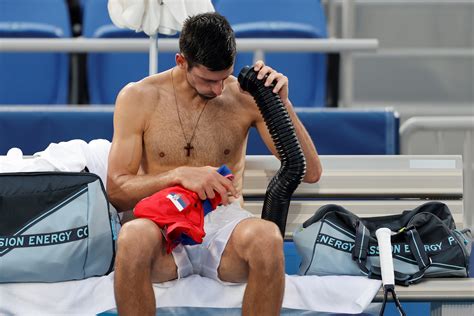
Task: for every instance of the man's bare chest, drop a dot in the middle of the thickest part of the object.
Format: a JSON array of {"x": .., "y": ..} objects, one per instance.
[{"x": 216, "y": 138}]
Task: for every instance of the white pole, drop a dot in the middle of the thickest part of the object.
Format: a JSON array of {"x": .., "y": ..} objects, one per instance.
[
  {"x": 332, "y": 16},
  {"x": 468, "y": 160},
  {"x": 153, "y": 55},
  {"x": 347, "y": 67}
]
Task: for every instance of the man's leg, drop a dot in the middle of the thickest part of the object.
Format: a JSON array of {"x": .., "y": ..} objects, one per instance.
[
  {"x": 254, "y": 254},
  {"x": 141, "y": 258}
]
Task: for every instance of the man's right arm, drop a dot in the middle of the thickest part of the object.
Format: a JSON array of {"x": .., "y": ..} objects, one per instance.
[{"x": 125, "y": 188}]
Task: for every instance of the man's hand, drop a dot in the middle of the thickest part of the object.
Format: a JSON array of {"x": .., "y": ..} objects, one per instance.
[
  {"x": 204, "y": 181},
  {"x": 281, "y": 85}
]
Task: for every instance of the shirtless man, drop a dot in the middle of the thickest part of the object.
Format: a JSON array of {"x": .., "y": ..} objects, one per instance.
[{"x": 176, "y": 128}]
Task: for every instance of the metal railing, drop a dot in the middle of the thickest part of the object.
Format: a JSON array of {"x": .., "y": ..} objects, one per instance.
[
  {"x": 83, "y": 45},
  {"x": 439, "y": 125}
]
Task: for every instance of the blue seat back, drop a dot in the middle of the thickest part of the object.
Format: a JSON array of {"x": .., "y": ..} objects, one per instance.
[
  {"x": 284, "y": 19},
  {"x": 34, "y": 78},
  {"x": 108, "y": 73},
  {"x": 292, "y": 258},
  {"x": 343, "y": 132},
  {"x": 33, "y": 130}
]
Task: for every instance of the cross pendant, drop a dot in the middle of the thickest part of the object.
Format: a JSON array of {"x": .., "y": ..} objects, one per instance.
[{"x": 188, "y": 148}]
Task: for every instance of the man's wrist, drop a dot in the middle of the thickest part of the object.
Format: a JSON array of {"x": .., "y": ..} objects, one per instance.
[
  {"x": 289, "y": 107},
  {"x": 175, "y": 176},
  {"x": 287, "y": 103}
]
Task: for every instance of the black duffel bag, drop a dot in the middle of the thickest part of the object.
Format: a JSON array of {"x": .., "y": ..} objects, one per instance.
[
  {"x": 55, "y": 226},
  {"x": 425, "y": 243}
]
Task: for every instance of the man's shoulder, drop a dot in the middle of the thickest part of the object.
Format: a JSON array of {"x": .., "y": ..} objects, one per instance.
[
  {"x": 145, "y": 92},
  {"x": 232, "y": 87},
  {"x": 237, "y": 94},
  {"x": 147, "y": 87},
  {"x": 231, "y": 81}
]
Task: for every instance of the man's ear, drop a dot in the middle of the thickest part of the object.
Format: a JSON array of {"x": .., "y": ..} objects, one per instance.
[{"x": 180, "y": 61}]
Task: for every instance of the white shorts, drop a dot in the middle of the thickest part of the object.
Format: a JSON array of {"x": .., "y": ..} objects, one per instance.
[{"x": 204, "y": 259}]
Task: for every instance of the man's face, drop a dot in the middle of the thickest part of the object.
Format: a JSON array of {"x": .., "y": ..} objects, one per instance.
[{"x": 208, "y": 84}]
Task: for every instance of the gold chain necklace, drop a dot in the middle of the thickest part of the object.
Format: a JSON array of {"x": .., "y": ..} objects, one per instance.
[{"x": 188, "y": 146}]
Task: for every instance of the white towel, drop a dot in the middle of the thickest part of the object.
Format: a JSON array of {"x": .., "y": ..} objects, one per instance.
[
  {"x": 155, "y": 16},
  {"x": 14, "y": 161},
  {"x": 73, "y": 155},
  {"x": 336, "y": 294}
]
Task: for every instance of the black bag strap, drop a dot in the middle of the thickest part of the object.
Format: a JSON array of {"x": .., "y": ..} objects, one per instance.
[
  {"x": 400, "y": 278},
  {"x": 418, "y": 251},
  {"x": 361, "y": 247}
]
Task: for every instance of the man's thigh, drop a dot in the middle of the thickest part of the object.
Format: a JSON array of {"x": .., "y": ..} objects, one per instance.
[
  {"x": 163, "y": 266},
  {"x": 234, "y": 266}
]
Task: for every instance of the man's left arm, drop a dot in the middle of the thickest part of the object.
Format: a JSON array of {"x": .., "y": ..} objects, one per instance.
[{"x": 313, "y": 164}]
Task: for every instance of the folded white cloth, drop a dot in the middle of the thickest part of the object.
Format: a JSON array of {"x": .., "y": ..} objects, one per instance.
[
  {"x": 155, "y": 16},
  {"x": 73, "y": 155},
  {"x": 14, "y": 161},
  {"x": 336, "y": 294}
]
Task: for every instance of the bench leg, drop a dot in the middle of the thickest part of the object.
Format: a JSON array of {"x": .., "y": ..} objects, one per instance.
[{"x": 452, "y": 308}]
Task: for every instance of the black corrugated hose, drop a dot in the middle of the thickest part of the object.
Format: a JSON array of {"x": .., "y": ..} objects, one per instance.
[{"x": 282, "y": 131}]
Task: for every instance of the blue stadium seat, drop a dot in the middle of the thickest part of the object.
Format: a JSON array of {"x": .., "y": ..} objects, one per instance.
[
  {"x": 292, "y": 258},
  {"x": 32, "y": 130},
  {"x": 34, "y": 78},
  {"x": 284, "y": 19},
  {"x": 108, "y": 73},
  {"x": 343, "y": 132}
]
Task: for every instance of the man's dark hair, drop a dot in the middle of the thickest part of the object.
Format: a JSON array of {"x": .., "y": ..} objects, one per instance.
[{"x": 208, "y": 40}]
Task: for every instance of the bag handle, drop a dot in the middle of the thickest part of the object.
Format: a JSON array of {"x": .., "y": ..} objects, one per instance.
[
  {"x": 418, "y": 251},
  {"x": 361, "y": 247},
  {"x": 417, "y": 248}
]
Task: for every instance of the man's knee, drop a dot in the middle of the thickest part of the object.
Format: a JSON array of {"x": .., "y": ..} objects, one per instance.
[
  {"x": 263, "y": 241},
  {"x": 139, "y": 240}
]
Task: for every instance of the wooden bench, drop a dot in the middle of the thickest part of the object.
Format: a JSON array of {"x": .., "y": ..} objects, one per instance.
[{"x": 376, "y": 186}]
